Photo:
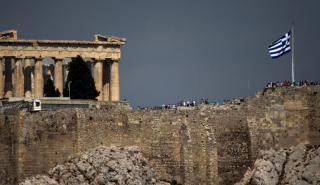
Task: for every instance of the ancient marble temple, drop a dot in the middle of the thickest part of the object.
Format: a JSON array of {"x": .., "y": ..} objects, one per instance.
[{"x": 22, "y": 64}]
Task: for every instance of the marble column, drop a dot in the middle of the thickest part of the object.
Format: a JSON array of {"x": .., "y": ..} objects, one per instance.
[
  {"x": 65, "y": 73},
  {"x": 106, "y": 81},
  {"x": 9, "y": 77},
  {"x": 38, "y": 78},
  {"x": 58, "y": 75},
  {"x": 13, "y": 75},
  {"x": 32, "y": 81},
  {"x": 2, "y": 78},
  {"x": 114, "y": 81},
  {"x": 98, "y": 69},
  {"x": 18, "y": 78},
  {"x": 27, "y": 77}
]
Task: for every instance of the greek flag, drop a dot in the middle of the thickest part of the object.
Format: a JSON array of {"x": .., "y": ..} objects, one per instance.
[{"x": 281, "y": 46}]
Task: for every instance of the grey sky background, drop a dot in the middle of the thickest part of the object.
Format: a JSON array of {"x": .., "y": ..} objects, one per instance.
[{"x": 182, "y": 49}]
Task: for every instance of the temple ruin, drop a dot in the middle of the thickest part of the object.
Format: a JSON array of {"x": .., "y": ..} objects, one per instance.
[{"x": 21, "y": 64}]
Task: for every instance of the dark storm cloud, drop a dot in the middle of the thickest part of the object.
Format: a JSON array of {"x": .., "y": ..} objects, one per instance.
[{"x": 182, "y": 49}]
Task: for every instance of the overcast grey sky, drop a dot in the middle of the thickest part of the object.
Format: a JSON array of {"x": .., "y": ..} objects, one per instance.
[{"x": 182, "y": 49}]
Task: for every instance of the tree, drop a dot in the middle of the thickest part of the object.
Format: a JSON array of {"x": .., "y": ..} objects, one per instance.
[
  {"x": 82, "y": 84},
  {"x": 50, "y": 90}
]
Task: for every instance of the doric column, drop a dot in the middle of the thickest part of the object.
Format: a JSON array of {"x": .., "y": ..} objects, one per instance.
[
  {"x": 65, "y": 73},
  {"x": 114, "y": 81},
  {"x": 58, "y": 75},
  {"x": 2, "y": 66},
  {"x": 18, "y": 79},
  {"x": 13, "y": 75},
  {"x": 27, "y": 77},
  {"x": 98, "y": 67},
  {"x": 9, "y": 74},
  {"x": 106, "y": 81},
  {"x": 32, "y": 81},
  {"x": 38, "y": 78}
]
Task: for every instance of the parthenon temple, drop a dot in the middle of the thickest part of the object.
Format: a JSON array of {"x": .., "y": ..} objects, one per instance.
[{"x": 22, "y": 68}]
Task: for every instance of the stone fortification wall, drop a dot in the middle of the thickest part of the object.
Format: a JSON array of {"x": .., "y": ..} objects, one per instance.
[
  {"x": 46, "y": 139},
  {"x": 31, "y": 142},
  {"x": 233, "y": 142},
  {"x": 176, "y": 144},
  {"x": 210, "y": 144},
  {"x": 9, "y": 121},
  {"x": 284, "y": 117}
]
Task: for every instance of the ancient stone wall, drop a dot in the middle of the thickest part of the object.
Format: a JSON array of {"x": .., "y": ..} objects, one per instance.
[
  {"x": 31, "y": 142},
  {"x": 210, "y": 144},
  {"x": 233, "y": 140},
  {"x": 46, "y": 139},
  {"x": 284, "y": 117},
  {"x": 175, "y": 142},
  {"x": 9, "y": 121}
]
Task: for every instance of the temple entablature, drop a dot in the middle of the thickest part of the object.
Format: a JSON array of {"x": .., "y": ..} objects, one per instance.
[{"x": 102, "y": 48}]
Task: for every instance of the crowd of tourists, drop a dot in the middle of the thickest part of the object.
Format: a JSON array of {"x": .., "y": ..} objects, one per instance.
[
  {"x": 186, "y": 103},
  {"x": 193, "y": 103},
  {"x": 287, "y": 83}
]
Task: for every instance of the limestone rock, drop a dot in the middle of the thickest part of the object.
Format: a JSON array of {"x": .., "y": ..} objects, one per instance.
[
  {"x": 298, "y": 165},
  {"x": 102, "y": 166},
  {"x": 265, "y": 173},
  {"x": 40, "y": 180}
]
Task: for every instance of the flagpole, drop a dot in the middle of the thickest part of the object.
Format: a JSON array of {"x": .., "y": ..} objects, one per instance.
[{"x": 292, "y": 54}]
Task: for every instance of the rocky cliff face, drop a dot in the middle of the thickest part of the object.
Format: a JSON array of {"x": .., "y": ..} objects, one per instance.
[
  {"x": 298, "y": 165},
  {"x": 110, "y": 166}
]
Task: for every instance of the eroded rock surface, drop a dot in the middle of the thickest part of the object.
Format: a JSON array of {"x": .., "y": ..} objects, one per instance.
[
  {"x": 102, "y": 166},
  {"x": 298, "y": 165}
]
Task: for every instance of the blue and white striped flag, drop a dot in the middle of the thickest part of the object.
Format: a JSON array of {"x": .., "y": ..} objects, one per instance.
[{"x": 281, "y": 46}]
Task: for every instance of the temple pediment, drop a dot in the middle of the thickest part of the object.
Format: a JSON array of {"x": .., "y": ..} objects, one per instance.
[
  {"x": 9, "y": 34},
  {"x": 105, "y": 38}
]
